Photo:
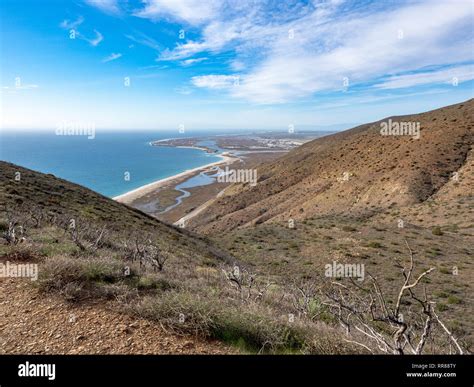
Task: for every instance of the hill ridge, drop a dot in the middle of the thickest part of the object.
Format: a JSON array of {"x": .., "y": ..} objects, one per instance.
[{"x": 356, "y": 171}]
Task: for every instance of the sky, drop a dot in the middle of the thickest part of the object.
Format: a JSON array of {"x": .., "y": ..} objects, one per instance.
[{"x": 230, "y": 64}]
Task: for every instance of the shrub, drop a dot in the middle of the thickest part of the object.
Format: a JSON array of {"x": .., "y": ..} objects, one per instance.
[
  {"x": 79, "y": 279},
  {"x": 250, "y": 327},
  {"x": 3, "y": 226},
  {"x": 454, "y": 300},
  {"x": 375, "y": 245},
  {"x": 348, "y": 229},
  {"x": 442, "y": 307}
]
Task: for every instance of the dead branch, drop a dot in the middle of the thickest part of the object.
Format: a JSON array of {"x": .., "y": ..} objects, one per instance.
[
  {"x": 147, "y": 253},
  {"x": 16, "y": 230},
  {"x": 86, "y": 236},
  {"x": 364, "y": 313},
  {"x": 246, "y": 283}
]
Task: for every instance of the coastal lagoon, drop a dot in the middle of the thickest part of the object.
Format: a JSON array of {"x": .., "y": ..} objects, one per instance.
[{"x": 111, "y": 163}]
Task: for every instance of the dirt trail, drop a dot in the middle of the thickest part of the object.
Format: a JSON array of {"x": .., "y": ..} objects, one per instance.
[{"x": 33, "y": 323}]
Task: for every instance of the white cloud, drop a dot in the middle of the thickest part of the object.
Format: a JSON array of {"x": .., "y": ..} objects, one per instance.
[
  {"x": 215, "y": 81},
  {"x": 95, "y": 41},
  {"x": 72, "y": 24},
  {"x": 157, "y": 67},
  {"x": 189, "y": 62},
  {"x": 68, "y": 25},
  {"x": 111, "y": 57},
  {"x": 144, "y": 40},
  {"x": 194, "y": 12},
  {"x": 107, "y": 6},
  {"x": 289, "y": 55},
  {"x": 451, "y": 75},
  {"x": 216, "y": 36}
]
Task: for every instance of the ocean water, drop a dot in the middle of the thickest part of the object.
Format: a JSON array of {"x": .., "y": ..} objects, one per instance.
[{"x": 102, "y": 163}]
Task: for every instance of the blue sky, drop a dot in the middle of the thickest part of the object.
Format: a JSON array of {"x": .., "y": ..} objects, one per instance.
[{"x": 159, "y": 64}]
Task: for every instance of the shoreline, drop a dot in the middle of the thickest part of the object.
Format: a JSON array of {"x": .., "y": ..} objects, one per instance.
[
  {"x": 136, "y": 193},
  {"x": 207, "y": 150}
]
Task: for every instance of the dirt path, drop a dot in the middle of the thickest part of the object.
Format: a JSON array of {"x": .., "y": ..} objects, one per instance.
[{"x": 33, "y": 323}]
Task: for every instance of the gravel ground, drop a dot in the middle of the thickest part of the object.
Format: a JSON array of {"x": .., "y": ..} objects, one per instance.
[{"x": 33, "y": 323}]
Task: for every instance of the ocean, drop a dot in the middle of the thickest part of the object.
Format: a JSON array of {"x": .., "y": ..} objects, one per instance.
[{"x": 103, "y": 163}]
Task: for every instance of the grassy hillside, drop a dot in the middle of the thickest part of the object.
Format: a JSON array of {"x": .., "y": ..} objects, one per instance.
[
  {"x": 302, "y": 215},
  {"x": 58, "y": 199},
  {"x": 259, "y": 279},
  {"x": 191, "y": 294},
  {"x": 357, "y": 171}
]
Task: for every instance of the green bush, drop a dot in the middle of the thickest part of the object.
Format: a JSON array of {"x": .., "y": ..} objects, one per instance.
[
  {"x": 442, "y": 307},
  {"x": 454, "y": 300},
  {"x": 251, "y": 328}
]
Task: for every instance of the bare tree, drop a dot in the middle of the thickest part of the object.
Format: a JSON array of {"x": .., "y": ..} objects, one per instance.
[
  {"x": 147, "y": 253},
  {"x": 35, "y": 217},
  {"x": 246, "y": 283},
  {"x": 306, "y": 301},
  {"x": 86, "y": 236},
  {"x": 366, "y": 314},
  {"x": 15, "y": 232},
  {"x": 153, "y": 255}
]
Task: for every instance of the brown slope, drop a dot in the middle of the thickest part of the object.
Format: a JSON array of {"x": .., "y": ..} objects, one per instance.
[
  {"x": 384, "y": 171},
  {"x": 61, "y": 198},
  {"x": 34, "y": 323}
]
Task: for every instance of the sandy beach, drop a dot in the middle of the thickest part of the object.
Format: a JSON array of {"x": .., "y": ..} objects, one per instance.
[
  {"x": 139, "y": 192},
  {"x": 163, "y": 200}
]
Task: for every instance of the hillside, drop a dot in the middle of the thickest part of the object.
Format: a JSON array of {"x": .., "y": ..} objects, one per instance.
[
  {"x": 357, "y": 172},
  {"x": 58, "y": 199},
  {"x": 118, "y": 260},
  {"x": 254, "y": 282},
  {"x": 400, "y": 191}
]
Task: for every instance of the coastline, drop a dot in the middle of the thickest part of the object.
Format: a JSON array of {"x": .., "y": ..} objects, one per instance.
[
  {"x": 134, "y": 194},
  {"x": 164, "y": 201},
  {"x": 202, "y": 196},
  {"x": 155, "y": 143}
]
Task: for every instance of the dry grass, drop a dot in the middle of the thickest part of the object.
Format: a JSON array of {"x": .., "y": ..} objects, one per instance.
[{"x": 258, "y": 309}]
